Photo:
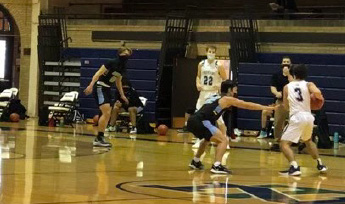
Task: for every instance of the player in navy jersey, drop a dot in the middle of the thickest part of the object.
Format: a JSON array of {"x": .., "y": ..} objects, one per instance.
[
  {"x": 203, "y": 125},
  {"x": 104, "y": 78}
]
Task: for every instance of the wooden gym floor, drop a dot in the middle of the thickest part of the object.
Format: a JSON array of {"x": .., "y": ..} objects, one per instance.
[{"x": 60, "y": 165}]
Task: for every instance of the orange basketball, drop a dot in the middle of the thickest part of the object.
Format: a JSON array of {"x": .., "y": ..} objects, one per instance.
[
  {"x": 315, "y": 103},
  {"x": 95, "y": 120},
  {"x": 162, "y": 129},
  {"x": 14, "y": 117}
]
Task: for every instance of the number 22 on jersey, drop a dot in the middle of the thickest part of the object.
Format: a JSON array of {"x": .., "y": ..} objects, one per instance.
[{"x": 208, "y": 80}]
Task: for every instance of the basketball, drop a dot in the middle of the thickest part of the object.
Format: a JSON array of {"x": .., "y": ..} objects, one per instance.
[
  {"x": 14, "y": 117},
  {"x": 162, "y": 129},
  {"x": 316, "y": 104},
  {"x": 95, "y": 120}
]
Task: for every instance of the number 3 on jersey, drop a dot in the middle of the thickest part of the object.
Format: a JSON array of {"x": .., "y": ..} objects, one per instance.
[
  {"x": 208, "y": 80},
  {"x": 299, "y": 92}
]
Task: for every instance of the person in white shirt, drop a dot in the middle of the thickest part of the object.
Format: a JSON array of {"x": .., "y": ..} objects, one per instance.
[{"x": 210, "y": 75}]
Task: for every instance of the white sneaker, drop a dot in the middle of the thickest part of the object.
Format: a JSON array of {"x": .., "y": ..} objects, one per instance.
[
  {"x": 110, "y": 129},
  {"x": 237, "y": 132},
  {"x": 133, "y": 130}
]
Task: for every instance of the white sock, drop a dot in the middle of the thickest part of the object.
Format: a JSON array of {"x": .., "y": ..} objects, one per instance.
[
  {"x": 196, "y": 159},
  {"x": 294, "y": 164},
  {"x": 319, "y": 161},
  {"x": 217, "y": 163}
]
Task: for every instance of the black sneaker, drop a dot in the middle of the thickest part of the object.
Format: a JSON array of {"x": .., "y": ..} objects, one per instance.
[
  {"x": 196, "y": 165},
  {"x": 220, "y": 169},
  {"x": 292, "y": 171},
  {"x": 101, "y": 143},
  {"x": 183, "y": 130},
  {"x": 321, "y": 168}
]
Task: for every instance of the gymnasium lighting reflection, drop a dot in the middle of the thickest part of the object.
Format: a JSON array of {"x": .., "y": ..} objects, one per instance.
[
  {"x": 66, "y": 153},
  {"x": 5, "y": 152},
  {"x": 217, "y": 191},
  {"x": 140, "y": 167}
]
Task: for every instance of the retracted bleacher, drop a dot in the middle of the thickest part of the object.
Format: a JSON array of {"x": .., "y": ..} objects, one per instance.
[{"x": 59, "y": 78}]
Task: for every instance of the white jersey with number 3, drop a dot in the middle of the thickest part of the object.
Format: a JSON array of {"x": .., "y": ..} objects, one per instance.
[
  {"x": 210, "y": 78},
  {"x": 298, "y": 97}
]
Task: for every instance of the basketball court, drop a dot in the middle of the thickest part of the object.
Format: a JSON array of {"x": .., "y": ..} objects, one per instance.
[
  {"x": 60, "y": 165},
  {"x": 55, "y": 53}
]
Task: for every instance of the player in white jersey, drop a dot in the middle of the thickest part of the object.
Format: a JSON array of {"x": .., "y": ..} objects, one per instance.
[
  {"x": 208, "y": 80},
  {"x": 296, "y": 98},
  {"x": 210, "y": 76}
]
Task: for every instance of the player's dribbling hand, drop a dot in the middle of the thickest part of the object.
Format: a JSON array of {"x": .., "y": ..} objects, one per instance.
[
  {"x": 125, "y": 99},
  {"x": 88, "y": 90}
]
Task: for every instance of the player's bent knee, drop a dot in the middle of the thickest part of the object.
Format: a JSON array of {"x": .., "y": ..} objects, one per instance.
[
  {"x": 218, "y": 138},
  {"x": 284, "y": 144}
]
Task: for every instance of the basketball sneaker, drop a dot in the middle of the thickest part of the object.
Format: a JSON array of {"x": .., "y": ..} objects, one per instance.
[
  {"x": 263, "y": 134},
  {"x": 321, "y": 168},
  {"x": 101, "y": 143},
  {"x": 133, "y": 130},
  {"x": 196, "y": 165},
  {"x": 292, "y": 171},
  {"x": 110, "y": 129},
  {"x": 237, "y": 132},
  {"x": 220, "y": 169}
]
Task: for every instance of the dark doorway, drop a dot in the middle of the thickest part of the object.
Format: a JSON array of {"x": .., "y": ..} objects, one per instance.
[
  {"x": 184, "y": 93},
  {"x": 9, "y": 46}
]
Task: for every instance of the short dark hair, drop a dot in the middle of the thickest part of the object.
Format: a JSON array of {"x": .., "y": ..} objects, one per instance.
[
  {"x": 211, "y": 47},
  {"x": 300, "y": 71},
  {"x": 226, "y": 85}
]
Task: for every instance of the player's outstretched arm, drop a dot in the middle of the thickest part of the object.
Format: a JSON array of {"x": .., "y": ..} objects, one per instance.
[{"x": 247, "y": 105}]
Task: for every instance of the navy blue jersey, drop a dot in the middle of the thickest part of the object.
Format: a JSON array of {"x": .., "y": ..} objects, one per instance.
[
  {"x": 211, "y": 110},
  {"x": 115, "y": 68}
]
